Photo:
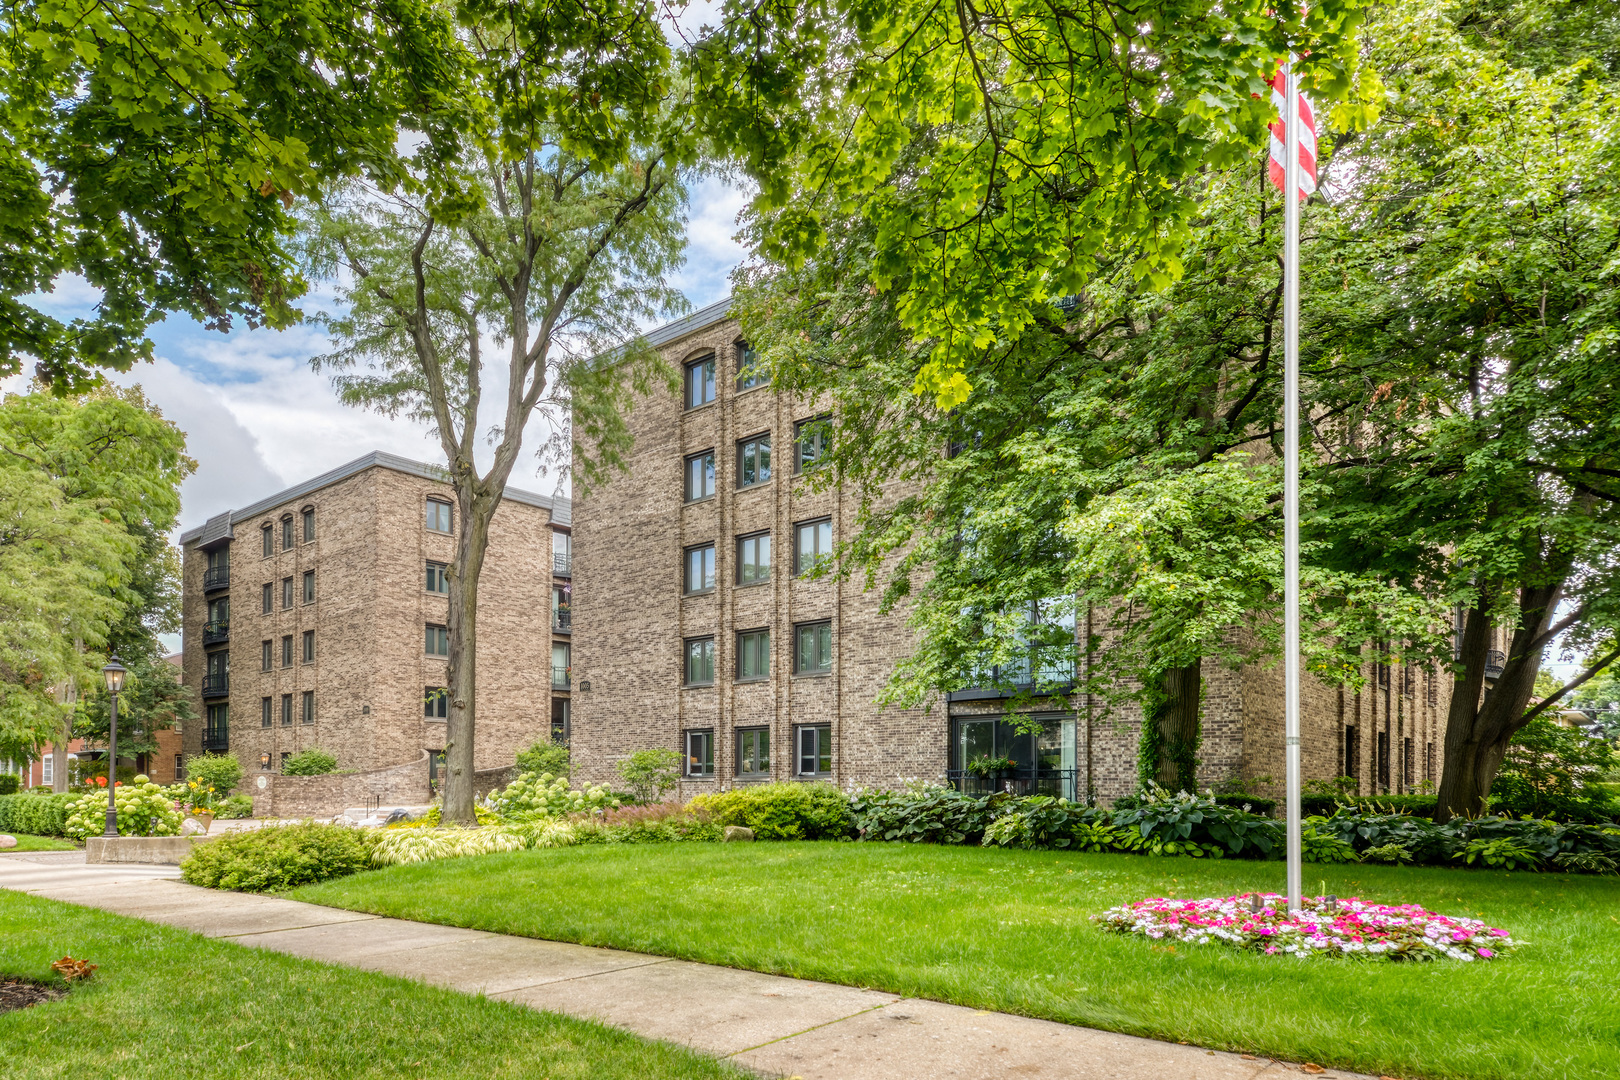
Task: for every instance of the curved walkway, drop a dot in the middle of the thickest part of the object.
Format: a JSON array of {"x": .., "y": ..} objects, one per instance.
[{"x": 770, "y": 1024}]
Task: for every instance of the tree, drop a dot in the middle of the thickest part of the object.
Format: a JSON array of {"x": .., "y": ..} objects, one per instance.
[
  {"x": 650, "y": 774},
  {"x": 547, "y": 229},
  {"x": 155, "y": 149},
  {"x": 152, "y": 700}
]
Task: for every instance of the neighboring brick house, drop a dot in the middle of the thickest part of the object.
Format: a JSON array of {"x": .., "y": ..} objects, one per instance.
[
  {"x": 696, "y": 633},
  {"x": 316, "y": 617}
]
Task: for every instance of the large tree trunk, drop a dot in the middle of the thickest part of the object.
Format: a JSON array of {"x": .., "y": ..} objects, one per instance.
[
  {"x": 59, "y": 755},
  {"x": 1176, "y": 717},
  {"x": 471, "y": 545}
]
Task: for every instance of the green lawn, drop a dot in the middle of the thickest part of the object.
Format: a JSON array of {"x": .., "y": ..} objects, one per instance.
[
  {"x": 1009, "y": 930},
  {"x": 41, "y": 843},
  {"x": 167, "y": 1003}
]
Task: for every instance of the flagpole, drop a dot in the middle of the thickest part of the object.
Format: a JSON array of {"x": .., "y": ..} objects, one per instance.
[{"x": 1291, "y": 123}]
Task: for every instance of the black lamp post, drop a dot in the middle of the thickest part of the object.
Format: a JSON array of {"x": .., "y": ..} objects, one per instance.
[{"x": 114, "y": 673}]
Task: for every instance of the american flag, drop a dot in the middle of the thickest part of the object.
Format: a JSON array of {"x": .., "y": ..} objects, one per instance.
[{"x": 1279, "y": 137}]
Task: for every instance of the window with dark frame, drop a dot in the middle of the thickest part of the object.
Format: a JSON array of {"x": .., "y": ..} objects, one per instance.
[
  {"x": 269, "y": 534},
  {"x": 438, "y": 640},
  {"x": 286, "y": 593},
  {"x": 812, "y": 651},
  {"x": 266, "y": 653},
  {"x": 309, "y": 524},
  {"x": 438, "y": 516},
  {"x": 1352, "y": 753},
  {"x": 754, "y": 559},
  {"x": 754, "y": 461},
  {"x": 436, "y": 580},
  {"x": 812, "y": 543},
  {"x": 179, "y": 767},
  {"x": 285, "y": 754},
  {"x": 309, "y": 646},
  {"x": 307, "y": 712},
  {"x": 750, "y": 372},
  {"x": 700, "y": 382},
  {"x": 436, "y": 703},
  {"x": 286, "y": 650},
  {"x": 810, "y": 442},
  {"x": 698, "y": 574},
  {"x": 309, "y": 586},
  {"x": 267, "y": 597},
  {"x": 699, "y": 665},
  {"x": 287, "y": 533},
  {"x": 813, "y": 743},
  {"x": 1408, "y": 765},
  {"x": 754, "y": 753},
  {"x": 700, "y": 476},
  {"x": 753, "y": 655},
  {"x": 700, "y": 753},
  {"x": 266, "y": 712},
  {"x": 286, "y": 710}
]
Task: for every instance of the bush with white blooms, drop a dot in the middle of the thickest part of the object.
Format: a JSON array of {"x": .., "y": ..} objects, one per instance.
[
  {"x": 144, "y": 809},
  {"x": 1325, "y": 926},
  {"x": 544, "y": 795}
]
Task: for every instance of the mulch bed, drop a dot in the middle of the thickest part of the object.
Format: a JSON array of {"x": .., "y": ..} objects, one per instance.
[{"x": 18, "y": 993}]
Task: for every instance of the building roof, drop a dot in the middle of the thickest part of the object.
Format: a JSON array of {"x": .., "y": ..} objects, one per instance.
[
  {"x": 221, "y": 526},
  {"x": 674, "y": 330}
]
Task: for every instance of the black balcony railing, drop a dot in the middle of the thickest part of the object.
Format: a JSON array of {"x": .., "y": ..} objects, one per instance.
[
  {"x": 1048, "y": 667},
  {"x": 560, "y": 564},
  {"x": 561, "y": 621},
  {"x": 216, "y": 740},
  {"x": 216, "y": 685},
  {"x": 1495, "y": 661},
  {"x": 218, "y": 630},
  {"x": 1023, "y": 780},
  {"x": 216, "y": 577},
  {"x": 559, "y": 678}
]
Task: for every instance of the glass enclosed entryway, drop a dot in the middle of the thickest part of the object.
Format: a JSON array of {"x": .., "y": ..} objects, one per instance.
[{"x": 992, "y": 754}]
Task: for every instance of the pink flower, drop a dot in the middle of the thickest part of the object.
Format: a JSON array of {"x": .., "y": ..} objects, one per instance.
[{"x": 1486, "y": 953}]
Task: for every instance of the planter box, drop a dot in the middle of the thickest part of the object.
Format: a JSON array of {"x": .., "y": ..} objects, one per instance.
[{"x": 161, "y": 850}]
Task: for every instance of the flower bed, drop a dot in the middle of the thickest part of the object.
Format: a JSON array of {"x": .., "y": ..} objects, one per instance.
[{"x": 1325, "y": 927}]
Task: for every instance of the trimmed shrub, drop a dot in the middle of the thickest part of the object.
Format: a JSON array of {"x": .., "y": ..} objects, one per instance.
[
  {"x": 311, "y": 762},
  {"x": 36, "y": 814},
  {"x": 277, "y": 858},
  {"x": 782, "y": 811},
  {"x": 222, "y": 772},
  {"x": 9, "y": 783}
]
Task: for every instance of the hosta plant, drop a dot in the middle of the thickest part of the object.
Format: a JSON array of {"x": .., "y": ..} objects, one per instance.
[{"x": 1500, "y": 853}]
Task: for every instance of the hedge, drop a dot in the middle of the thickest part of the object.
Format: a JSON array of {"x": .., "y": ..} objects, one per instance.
[
  {"x": 35, "y": 815},
  {"x": 782, "y": 811}
]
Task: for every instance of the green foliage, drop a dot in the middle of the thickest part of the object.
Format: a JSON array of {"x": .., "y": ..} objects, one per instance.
[
  {"x": 278, "y": 857},
  {"x": 651, "y": 774},
  {"x": 1164, "y": 818},
  {"x": 311, "y": 762},
  {"x": 36, "y": 813},
  {"x": 1038, "y": 822},
  {"x": 1319, "y": 846},
  {"x": 923, "y": 814},
  {"x": 781, "y": 811},
  {"x": 1498, "y": 853},
  {"x": 222, "y": 772},
  {"x": 1551, "y": 771},
  {"x": 9, "y": 783},
  {"x": 545, "y": 756},
  {"x": 543, "y": 795},
  {"x": 1256, "y": 804},
  {"x": 235, "y": 807},
  {"x": 1387, "y": 853},
  {"x": 144, "y": 809}
]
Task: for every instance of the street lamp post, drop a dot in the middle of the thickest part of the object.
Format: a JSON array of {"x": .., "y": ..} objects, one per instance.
[{"x": 114, "y": 673}]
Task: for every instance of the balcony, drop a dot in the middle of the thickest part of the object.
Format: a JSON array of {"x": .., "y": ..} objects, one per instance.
[
  {"x": 1495, "y": 661},
  {"x": 559, "y": 678},
  {"x": 1020, "y": 780},
  {"x": 216, "y": 740},
  {"x": 560, "y": 564},
  {"x": 219, "y": 630},
  {"x": 561, "y": 621},
  {"x": 216, "y": 685},
  {"x": 1048, "y": 667},
  {"x": 216, "y": 578}
]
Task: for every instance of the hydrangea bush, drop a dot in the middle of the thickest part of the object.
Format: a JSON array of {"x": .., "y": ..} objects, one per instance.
[
  {"x": 534, "y": 795},
  {"x": 144, "y": 809},
  {"x": 1350, "y": 927}
]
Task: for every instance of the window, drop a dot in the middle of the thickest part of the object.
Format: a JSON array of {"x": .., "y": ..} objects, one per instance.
[
  {"x": 561, "y": 665},
  {"x": 1352, "y": 753},
  {"x": 436, "y": 703},
  {"x": 309, "y": 586},
  {"x": 217, "y": 733},
  {"x": 754, "y": 559},
  {"x": 287, "y": 533},
  {"x": 286, "y": 650},
  {"x": 285, "y": 754},
  {"x": 309, "y": 524},
  {"x": 265, "y": 712},
  {"x": 700, "y": 753},
  {"x": 812, "y": 654},
  {"x": 700, "y": 382},
  {"x": 47, "y": 765},
  {"x": 309, "y": 646},
  {"x": 700, "y": 661},
  {"x": 561, "y": 719},
  {"x": 286, "y": 593},
  {"x": 286, "y": 710},
  {"x": 753, "y": 655},
  {"x": 268, "y": 533},
  {"x": 268, "y": 597},
  {"x": 1408, "y": 765},
  {"x": 699, "y": 574},
  {"x": 266, "y": 651},
  {"x": 810, "y": 442},
  {"x": 750, "y": 372},
  {"x": 754, "y": 460},
  {"x": 219, "y": 611},
  {"x": 438, "y": 516},
  {"x": 812, "y": 542},
  {"x": 753, "y": 753},
  {"x": 179, "y": 768},
  {"x": 436, "y": 581},
  {"x": 438, "y": 640},
  {"x": 307, "y": 715},
  {"x": 562, "y": 549},
  {"x": 815, "y": 749},
  {"x": 700, "y": 476}
]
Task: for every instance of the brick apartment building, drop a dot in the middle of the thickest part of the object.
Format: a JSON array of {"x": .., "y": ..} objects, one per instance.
[
  {"x": 697, "y": 633},
  {"x": 316, "y": 617}
]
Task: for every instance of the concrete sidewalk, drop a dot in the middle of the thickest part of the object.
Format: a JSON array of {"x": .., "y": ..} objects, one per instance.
[{"x": 769, "y": 1024}]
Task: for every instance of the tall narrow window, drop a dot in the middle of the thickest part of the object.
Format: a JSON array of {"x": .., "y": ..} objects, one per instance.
[
  {"x": 700, "y": 476},
  {"x": 309, "y": 586},
  {"x": 309, "y": 646},
  {"x": 700, "y": 661},
  {"x": 286, "y": 710},
  {"x": 561, "y": 665},
  {"x": 266, "y": 651},
  {"x": 435, "y": 703},
  {"x": 812, "y": 543},
  {"x": 699, "y": 573},
  {"x": 754, "y": 559},
  {"x": 815, "y": 749},
  {"x": 562, "y": 550},
  {"x": 810, "y": 442},
  {"x": 309, "y": 524},
  {"x": 436, "y": 581},
  {"x": 438, "y": 516},
  {"x": 754, "y": 460},
  {"x": 265, "y": 712},
  {"x": 812, "y": 653},
  {"x": 753, "y": 655},
  {"x": 438, "y": 640},
  {"x": 1352, "y": 753},
  {"x": 268, "y": 597},
  {"x": 700, "y": 753},
  {"x": 269, "y": 535},
  {"x": 287, "y": 533},
  {"x": 307, "y": 713},
  {"x": 753, "y": 753},
  {"x": 286, "y": 593},
  {"x": 286, "y": 651},
  {"x": 750, "y": 372},
  {"x": 700, "y": 382}
]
